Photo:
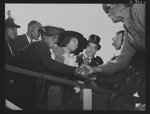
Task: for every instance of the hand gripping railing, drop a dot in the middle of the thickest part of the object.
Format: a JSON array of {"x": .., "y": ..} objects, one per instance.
[{"x": 56, "y": 79}]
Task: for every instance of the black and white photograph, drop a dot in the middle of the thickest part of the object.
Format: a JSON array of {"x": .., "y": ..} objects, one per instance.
[{"x": 75, "y": 56}]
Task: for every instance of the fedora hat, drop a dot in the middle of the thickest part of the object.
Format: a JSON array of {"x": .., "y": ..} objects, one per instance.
[
  {"x": 95, "y": 39},
  {"x": 66, "y": 35},
  {"x": 106, "y": 8},
  {"x": 9, "y": 22}
]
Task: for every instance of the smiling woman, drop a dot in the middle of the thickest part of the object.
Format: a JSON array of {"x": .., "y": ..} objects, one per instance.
[{"x": 85, "y": 18}]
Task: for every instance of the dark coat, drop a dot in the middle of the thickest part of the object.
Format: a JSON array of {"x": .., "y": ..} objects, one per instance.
[
  {"x": 8, "y": 54},
  {"x": 37, "y": 58},
  {"x": 72, "y": 100},
  {"x": 95, "y": 61},
  {"x": 19, "y": 44}
]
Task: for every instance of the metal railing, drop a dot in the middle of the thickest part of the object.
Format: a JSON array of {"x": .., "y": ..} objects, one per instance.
[{"x": 55, "y": 79}]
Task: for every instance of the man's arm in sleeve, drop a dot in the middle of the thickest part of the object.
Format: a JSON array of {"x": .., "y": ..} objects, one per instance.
[
  {"x": 15, "y": 45},
  {"x": 138, "y": 11},
  {"x": 121, "y": 62},
  {"x": 51, "y": 65}
]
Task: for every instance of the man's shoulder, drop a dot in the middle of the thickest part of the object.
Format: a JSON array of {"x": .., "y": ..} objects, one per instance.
[
  {"x": 37, "y": 44},
  {"x": 40, "y": 45},
  {"x": 138, "y": 6},
  {"x": 138, "y": 9},
  {"x": 98, "y": 59},
  {"x": 21, "y": 38}
]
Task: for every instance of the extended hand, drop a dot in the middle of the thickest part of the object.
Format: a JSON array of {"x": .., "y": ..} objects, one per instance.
[
  {"x": 88, "y": 68},
  {"x": 82, "y": 72}
]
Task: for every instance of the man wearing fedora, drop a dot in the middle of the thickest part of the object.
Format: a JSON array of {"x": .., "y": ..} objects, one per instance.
[{"x": 10, "y": 35}]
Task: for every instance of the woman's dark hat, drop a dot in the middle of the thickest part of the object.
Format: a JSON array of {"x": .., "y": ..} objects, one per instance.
[
  {"x": 50, "y": 30},
  {"x": 95, "y": 39},
  {"x": 9, "y": 22},
  {"x": 82, "y": 42}
]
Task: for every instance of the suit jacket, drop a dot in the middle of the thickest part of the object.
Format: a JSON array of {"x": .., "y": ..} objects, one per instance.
[
  {"x": 8, "y": 54},
  {"x": 19, "y": 44},
  {"x": 95, "y": 61}
]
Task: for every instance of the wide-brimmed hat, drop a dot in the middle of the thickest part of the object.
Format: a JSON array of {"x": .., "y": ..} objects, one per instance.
[
  {"x": 50, "y": 30},
  {"x": 95, "y": 39},
  {"x": 9, "y": 22},
  {"x": 82, "y": 42}
]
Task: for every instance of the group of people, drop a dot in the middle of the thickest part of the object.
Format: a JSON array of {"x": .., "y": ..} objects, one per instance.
[{"x": 68, "y": 54}]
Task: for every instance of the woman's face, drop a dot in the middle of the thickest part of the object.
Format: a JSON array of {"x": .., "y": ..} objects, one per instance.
[
  {"x": 73, "y": 44},
  {"x": 51, "y": 40}
]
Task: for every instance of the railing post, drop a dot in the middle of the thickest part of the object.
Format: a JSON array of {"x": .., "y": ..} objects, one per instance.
[{"x": 87, "y": 99}]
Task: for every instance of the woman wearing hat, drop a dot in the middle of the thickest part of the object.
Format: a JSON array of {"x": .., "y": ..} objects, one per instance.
[
  {"x": 69, "y": 42},
  {"x": 38, "y": 58},
  {"x": 72, "y": 43},
  {"x": 87, "y": 57}
]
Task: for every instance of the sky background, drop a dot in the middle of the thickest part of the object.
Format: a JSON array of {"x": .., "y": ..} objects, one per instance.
[{"x": 85, "y": 18}]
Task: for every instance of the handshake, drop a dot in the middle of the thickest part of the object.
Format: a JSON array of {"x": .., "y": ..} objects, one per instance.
[{"x": 83, "y": 72}]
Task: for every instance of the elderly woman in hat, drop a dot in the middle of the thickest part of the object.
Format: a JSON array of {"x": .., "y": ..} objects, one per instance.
[{"x": 38, "y": 58}]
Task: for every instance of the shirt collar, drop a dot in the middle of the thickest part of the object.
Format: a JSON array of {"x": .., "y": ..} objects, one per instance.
[
  {"x": 84, "y": 55},
  {"x": 29, "y": 40}
]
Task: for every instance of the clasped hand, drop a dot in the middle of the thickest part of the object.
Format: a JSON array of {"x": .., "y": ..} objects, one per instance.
[{"x": 84, "y": 71}]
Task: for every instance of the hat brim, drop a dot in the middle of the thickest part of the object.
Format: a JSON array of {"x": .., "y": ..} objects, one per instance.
[
  {"x": 98, "y": 45},
  {"x": 82, "y": 42},
  {"x": 12, "y": 25}
]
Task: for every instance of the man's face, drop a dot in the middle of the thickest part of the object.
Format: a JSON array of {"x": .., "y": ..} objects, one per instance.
[
  {"x": 117, "y": 41},
  {"x": 113, "y": 12},
  {"x": 34, "y": 31},
  {"x": 11, "y": 32},
  {"x": 91, "y": 50}
]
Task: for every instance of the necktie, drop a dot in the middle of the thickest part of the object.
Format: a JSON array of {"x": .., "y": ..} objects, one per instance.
[
  {"x": 31, "y": 41},
  {"x": 86, "y": 60}
]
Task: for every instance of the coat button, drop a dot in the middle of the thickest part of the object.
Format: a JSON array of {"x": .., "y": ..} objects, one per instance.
[{"x": 11, "y": 81}]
